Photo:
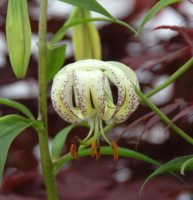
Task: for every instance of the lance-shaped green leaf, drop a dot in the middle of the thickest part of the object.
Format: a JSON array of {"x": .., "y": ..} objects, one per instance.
[
  {"x": 59, "y": 141},
  {"x": 18, "y": 106},
  {"x": 55, "y": 59},
  {"x": 188, "y": 164},
  {"x": 154, "y": 10},
  {"x": 10, "y": 127},
  {"x": 18, "y": 35},
  {"x": 91, "y": 5},
  {"x": 171, "y": 166}
]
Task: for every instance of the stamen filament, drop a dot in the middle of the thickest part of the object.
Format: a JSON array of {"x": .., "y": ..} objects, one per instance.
[
  {"x": 103, "y": 134},
  {"x": 115, "y": 150}
]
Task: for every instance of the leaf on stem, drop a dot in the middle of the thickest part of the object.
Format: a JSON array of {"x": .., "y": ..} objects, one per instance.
[
  {"x": 171, "y": 166},
  {"x": 55, "y": 59},
  {"x": 187, "y": 164},
  {"x": 59, "y": 141},
  {"x": 17, "y": 106},
  {"x": 10, "y": 127},
  {"x": 91, "y": 5},
  {"x": 153, "y": 11}
]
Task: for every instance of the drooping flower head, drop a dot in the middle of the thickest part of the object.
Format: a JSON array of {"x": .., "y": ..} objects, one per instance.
[{"x": 81, "y": 91}]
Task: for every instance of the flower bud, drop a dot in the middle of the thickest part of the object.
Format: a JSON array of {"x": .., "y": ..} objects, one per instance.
[
  {"x": 85, "y": 37},
  {"x": 18, "y": 35}
]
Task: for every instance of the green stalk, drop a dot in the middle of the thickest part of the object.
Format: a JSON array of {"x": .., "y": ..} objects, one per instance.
[
  {"x": 123, "y": 152},
  {"x": 47, "y": 166},
  {"x": 172, "y": 78},
  {"x": 163, "y": 117},
  {"x": 62, "y": 31}
]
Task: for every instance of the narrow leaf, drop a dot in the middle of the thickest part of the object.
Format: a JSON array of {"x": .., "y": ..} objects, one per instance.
[
  {"x": 187, "y": 164},
  {"x": 55, "y": 59},
  {"x": 59, "y": 141},
  {"x": 91, "y": 5},
  {"x": 10, "y": 127},
  {"x": 17, "y": 106},
  {"x": 171, "y": 166},
  {"x": 154, "y": 10}
]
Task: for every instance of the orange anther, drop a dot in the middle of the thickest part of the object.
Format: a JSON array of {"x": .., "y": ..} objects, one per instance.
[
  {"x": 115, "y": 150},
  {"x": 93, "y": 149},
  {"x": 73, "y": 151},
  {"x": 98, "y": 155}
]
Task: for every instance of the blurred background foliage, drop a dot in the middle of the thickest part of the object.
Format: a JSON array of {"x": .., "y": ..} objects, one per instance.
[{"x": 154, "y": 55}]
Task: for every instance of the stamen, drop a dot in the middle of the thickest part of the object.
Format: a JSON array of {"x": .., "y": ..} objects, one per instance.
[
  {"x": 93, "y": 149},
  {"x": 72, "y": 149},
  {"x": 115, "y": 150},
  {"x": 103, "y": 134},
  {"x": 98, "y": 155},
  {"x": 90, "y": 133},
  {"x": 75, "y": 142}
]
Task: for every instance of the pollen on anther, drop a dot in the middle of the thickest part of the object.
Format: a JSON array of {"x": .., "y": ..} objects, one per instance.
[{"x": 115, "y": 150}]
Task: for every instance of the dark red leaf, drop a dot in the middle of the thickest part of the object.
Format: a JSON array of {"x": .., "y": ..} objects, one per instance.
[
  {"x": 188, "y": 110},
  {"x": 186, "y": 33}
]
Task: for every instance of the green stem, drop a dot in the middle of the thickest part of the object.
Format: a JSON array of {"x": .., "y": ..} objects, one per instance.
[
  {"x": 127, "y": 153},
  {"x": 172, "y": 78},
  {"x": 47, "y": 166},
  {"x": 61, "y": 32},
  {"x": 163, "y": 117}
]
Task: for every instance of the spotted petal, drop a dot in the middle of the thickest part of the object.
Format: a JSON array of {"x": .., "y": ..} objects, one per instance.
[
  {"x": 97, "y": 89},
  {"x": 67, "y": 93},
  {"x": 117, "y": 77},
  {"x": 128, "y": 105},
  {"x": 129, "y": 73},
  {"x": 58, "y": 105},
  {"x": 109, "y": 105},
  {"x": 81, "y": 82},
  {"x": 131, "y": 101}
]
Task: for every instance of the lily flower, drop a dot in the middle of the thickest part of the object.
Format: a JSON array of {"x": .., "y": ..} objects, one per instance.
[{"x": 81, "y": 91}]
